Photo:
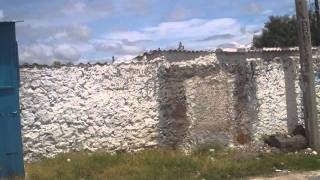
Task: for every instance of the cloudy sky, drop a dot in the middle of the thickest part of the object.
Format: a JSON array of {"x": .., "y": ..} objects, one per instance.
[{"x": 95, "y": 30}]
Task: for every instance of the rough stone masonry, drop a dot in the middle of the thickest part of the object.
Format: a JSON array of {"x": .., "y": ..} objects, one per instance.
[{"x": 225, "y": 98}]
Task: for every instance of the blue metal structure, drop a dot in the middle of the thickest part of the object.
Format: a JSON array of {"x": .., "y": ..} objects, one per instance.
[{"x": 11, "y": 153}]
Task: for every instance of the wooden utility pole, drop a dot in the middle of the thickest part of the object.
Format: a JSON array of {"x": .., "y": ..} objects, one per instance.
[{"x": 308, "y": 85}]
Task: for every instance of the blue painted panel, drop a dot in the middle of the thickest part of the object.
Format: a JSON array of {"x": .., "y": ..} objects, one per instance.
[{"x": 11, "y": 153}]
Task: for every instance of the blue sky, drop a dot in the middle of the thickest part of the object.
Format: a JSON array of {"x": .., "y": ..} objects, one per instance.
[{"x": 95, "y": 30}]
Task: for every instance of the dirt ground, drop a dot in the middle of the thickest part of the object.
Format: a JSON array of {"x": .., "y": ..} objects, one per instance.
[{"x": 314, "y": 175}]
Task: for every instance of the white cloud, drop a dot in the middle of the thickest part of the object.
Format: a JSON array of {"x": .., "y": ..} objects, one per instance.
[
  {"x": 64, "y": 44},
  {"x": 71, "y": 42},
  {"x": 130, "y": 35},
  {"x": 180, "y": 30},
  {"x": 36, "y": 53},
  {"x": 194, "y": 33},
  {"x": 67, "y": 52},
  {"x": 48, "y": 53},
  {"x": 72, "y": 33},
  {"x": 118, "y": 47},
  {"x": 193, "y": 28},
  {"x": 44, "y": 45},
  {"x": 65, "y": 12},
  {"x": 1, "y": 14}
]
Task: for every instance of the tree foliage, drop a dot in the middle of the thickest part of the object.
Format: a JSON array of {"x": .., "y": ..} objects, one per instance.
[{"x": 282, "y": 31}]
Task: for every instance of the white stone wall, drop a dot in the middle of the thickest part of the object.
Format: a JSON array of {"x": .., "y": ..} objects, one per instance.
[
  {"x": 318, "y": 100},
  {"x": 210, "y": 108},
  {"x": 271, "y": 95},
  {"x": 209, "y": 102},
  {"x": 109, "y": 107},
  {"x": 317, "y": 89},
  {"x": 234, "y": 98}
]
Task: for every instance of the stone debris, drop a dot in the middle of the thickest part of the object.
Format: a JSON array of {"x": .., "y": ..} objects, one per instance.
[
  {"x": 212, "y": 150},
  {"x": 287, "y": 143}
]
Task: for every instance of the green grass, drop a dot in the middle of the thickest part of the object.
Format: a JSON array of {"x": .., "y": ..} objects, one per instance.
[{"x": 166, "y": 164}]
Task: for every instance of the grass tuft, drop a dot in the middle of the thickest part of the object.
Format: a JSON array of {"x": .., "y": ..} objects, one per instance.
[{"x": 168, "y": 164}]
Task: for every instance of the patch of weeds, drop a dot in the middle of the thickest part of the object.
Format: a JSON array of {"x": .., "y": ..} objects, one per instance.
[
  {"x": 207, "y": 148},
  {"x": 168, "y": 164}
]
